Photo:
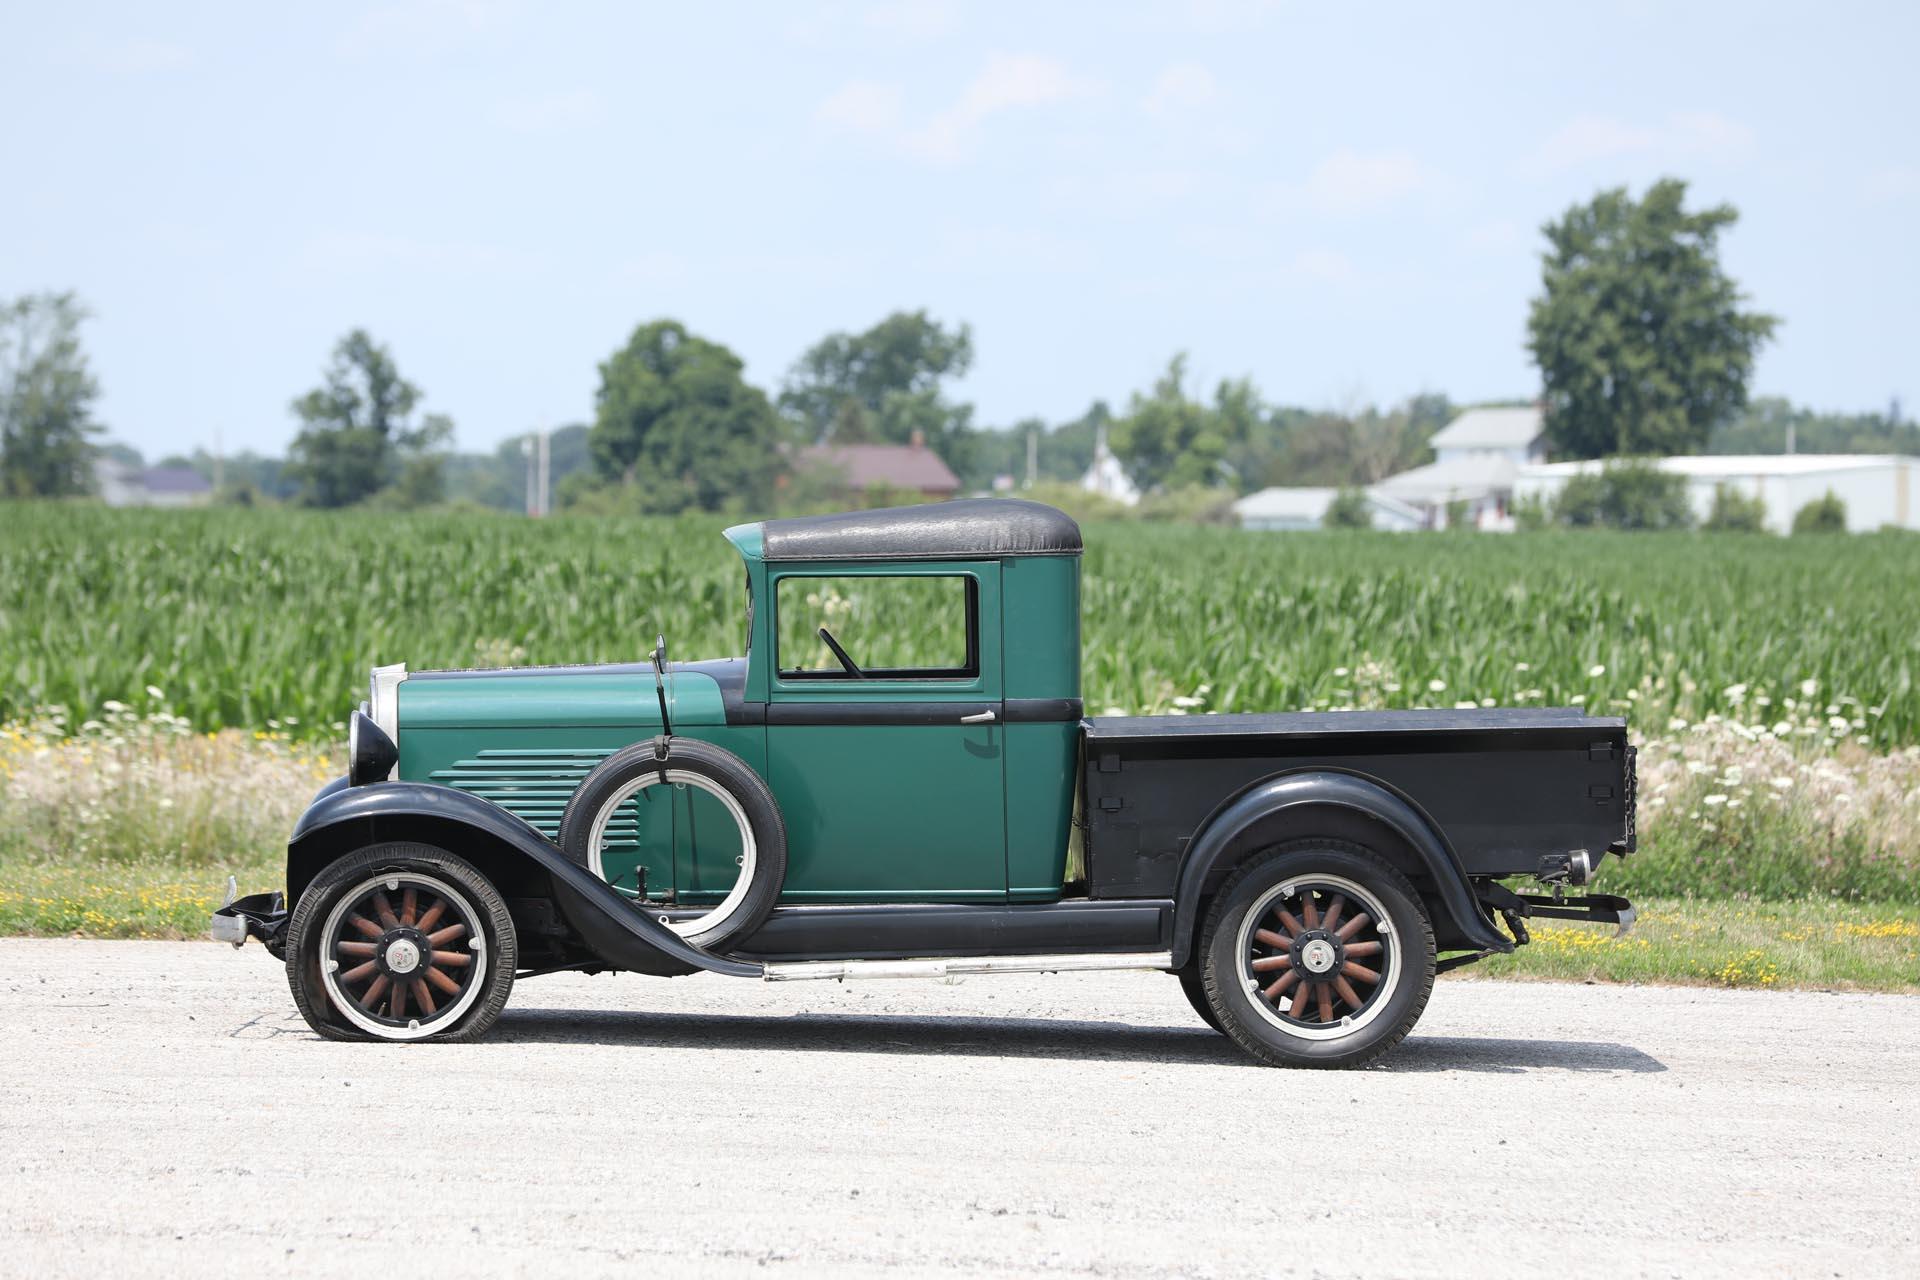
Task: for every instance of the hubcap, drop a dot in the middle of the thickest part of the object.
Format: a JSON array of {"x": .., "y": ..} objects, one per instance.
[
  {"x": 402, "y": 955},
  {"x": 1317, "y": 955}
]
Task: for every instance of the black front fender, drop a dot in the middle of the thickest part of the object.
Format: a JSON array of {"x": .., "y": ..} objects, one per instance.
[
  {"x": 1246, "y": 822},
  {"x": 354, "y": 817}
]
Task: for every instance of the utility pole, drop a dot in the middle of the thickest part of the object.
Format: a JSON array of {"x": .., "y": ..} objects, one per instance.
[
  {"x": 526, "y": 451},
  {"x": 1033, "y": 455},
  {"x": 546, "y": 470}
]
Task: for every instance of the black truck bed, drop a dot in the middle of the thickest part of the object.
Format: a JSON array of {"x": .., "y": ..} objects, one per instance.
[{"x": 1503, "y": 786}]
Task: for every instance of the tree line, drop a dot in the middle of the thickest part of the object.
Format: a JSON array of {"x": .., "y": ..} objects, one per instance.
[{"x": 1644, "y": 346}]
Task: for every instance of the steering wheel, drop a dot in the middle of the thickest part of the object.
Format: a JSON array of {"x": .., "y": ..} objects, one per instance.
[{"x": 841, "y": 654}]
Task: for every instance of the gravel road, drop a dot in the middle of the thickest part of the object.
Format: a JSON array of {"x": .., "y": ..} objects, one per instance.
[{"x": 163, "y": 1110}]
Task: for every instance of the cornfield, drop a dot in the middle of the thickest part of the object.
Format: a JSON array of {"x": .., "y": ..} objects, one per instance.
[{"x": 271, "y": 619}]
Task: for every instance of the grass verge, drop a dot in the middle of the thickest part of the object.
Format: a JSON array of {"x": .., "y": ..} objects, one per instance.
[{"x": 1805, "y": 944}]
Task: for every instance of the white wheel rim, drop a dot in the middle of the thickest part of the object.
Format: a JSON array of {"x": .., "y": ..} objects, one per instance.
[
  {"x": 736, "y": 897},
  {"x": 350, "y": 1008},
  {"x": 1364, "y": 899}
]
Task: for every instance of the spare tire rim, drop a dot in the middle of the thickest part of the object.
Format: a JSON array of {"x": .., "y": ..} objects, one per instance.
[
  {"x": 1318, "y": 957},
  {"x": 747, "y": 861},
  {"x": 401, "y": 955}
]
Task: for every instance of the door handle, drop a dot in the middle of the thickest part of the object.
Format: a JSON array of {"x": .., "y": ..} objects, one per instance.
[{"x": 985, "y": 717}]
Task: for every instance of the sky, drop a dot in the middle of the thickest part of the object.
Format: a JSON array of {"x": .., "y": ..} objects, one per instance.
[{"x": 1341, "y": 203}]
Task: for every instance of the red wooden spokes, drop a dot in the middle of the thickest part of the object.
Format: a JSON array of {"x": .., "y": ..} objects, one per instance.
[
  {"x": 1310, "y": 973},
  {"x": 408, "y": 963}
]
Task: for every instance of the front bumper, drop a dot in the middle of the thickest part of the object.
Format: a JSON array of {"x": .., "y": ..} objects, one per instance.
[{"x": 258, "y": 915}]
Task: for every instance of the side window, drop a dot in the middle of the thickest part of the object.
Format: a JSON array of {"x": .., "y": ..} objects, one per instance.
[{"x": 918, "y": 627}]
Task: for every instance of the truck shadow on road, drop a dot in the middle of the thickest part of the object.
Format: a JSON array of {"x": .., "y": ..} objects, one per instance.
[{"x": 1026, "y": 1038}]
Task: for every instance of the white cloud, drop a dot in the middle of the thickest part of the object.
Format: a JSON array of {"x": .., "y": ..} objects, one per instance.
[
  {"x": 571, "y": 109},
  {"x": 1008, "y": 83},
  {"x": 862, "y": 106},
  {"x": 1586, "y": 139},
  {"x": 1356, "y": 181},
  {"x": 1181, "y": 89}
]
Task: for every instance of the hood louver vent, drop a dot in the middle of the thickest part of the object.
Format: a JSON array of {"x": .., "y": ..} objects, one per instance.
[{"x": 535, "y": 786}]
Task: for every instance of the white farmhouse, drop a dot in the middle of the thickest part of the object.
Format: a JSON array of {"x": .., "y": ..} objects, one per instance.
[
  {"x": 1879, "y": 489},
  {"x": 121, "y": 485},
  {"x": 1477, "y": 457},
  {"x": 1306, "y": 508}
]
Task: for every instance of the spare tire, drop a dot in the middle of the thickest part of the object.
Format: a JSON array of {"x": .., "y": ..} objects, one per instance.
[{"x": 751, "y": 817}]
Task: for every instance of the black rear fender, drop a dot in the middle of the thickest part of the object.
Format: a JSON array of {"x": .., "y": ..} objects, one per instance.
[
  {"x": 1337, "y": 806},
  {"x": 515, "y": 856}
]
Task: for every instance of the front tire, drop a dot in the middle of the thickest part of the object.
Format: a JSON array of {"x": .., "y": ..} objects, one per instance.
[
  {"x": 401, "y": 942},
  {"x": 1317, "y": 954}
]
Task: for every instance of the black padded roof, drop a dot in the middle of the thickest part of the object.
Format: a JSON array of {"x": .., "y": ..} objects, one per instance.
[{"x": 967, "y": 529}]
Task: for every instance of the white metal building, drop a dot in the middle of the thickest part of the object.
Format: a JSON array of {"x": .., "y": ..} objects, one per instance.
[
  {"x": 1306, "y": 508},
  {"x": 1879, "y": 489}
]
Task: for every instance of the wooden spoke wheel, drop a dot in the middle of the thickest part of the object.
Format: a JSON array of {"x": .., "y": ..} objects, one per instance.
[
  {"x": 1318, "y": 954},
  {"x": 402, "y": 955}
]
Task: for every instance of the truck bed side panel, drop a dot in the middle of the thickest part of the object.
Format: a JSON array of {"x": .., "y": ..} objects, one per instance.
[{"x": 1503, "y": 787}]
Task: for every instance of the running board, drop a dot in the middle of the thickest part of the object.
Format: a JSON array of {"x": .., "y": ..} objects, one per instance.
[{"x": 802, "y": 970}]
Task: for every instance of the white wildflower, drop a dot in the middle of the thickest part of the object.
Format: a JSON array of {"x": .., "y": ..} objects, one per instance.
[
  {"x": 1809, "y": 687},
  {"x": 1436, "y": 686},
  {"x": 1716, "y": 798},
  {"x": 1597, "y": 670}
]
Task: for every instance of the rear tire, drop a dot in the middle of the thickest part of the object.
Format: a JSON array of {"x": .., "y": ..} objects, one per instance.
[
  {"x": 401, "y": 942},
  {"x": 1317, "y": 954},
  {"x": 1196, "y": 992}
]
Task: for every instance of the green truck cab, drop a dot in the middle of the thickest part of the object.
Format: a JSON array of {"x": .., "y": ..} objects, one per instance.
[{"x": 898, "y": 779}]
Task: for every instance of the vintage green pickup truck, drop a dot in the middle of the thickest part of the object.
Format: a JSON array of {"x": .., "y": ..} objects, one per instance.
[{"x": 898, "y": 779}]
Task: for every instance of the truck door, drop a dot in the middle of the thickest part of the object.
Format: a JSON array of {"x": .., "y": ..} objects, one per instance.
[{"x": 885, "y": 738}]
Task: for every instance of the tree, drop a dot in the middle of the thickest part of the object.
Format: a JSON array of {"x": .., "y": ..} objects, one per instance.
[
  {"x": 1770, "y": 422},
  {"x": 678, "y": 428},
  {"x": 1641, "y": 341},
  {"x": 1169, "y": 440},
  {"x": 884, "y": 386},
  {"x": 1825, "y": 514},
  {"x": 357, "y": 433},
  {"x": 46, "y": 398},
  {"x": 1632, "y": 494},
  {"x": 1736, "y": 512},
  {"x": 1348, "y": 510}
]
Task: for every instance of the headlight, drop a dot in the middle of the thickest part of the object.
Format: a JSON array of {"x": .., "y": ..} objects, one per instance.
[{"x": 371, "y": 754}]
